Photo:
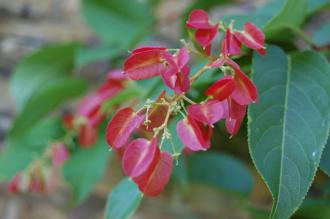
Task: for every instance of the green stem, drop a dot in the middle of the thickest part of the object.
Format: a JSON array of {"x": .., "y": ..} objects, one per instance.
[{"x": 188, "y": 100}]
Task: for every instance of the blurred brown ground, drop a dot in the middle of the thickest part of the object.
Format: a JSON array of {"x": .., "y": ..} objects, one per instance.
[{"x": 25, "y": 26}]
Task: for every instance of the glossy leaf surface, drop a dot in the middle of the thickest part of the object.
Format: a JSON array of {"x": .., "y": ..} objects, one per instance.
[
  {"x": 289, "y": 125},
  {"x": 123, "y": 200},
  {"x": 40, "y": 69}
]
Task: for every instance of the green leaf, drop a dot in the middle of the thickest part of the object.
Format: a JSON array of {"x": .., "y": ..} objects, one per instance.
[
  {"x": 321, "y": 36},
  {"x": 289, "y": 125},
  {"x": 325, "y": 161},
  {"x": 274, "y": 17},
  {"x": 200, "y": 4},
  {"x": 40, "y": 69},
  {"x": 221, "y": 171},
  {"x": 20, "y": 152},
  {"x": 46, "y": 100},
  {"x": 123, "y": 200},
  {"x": 260, "y": 17},
  {"x": 85, "y": 55},
  {"x": 291, "y": 15},
  {"x": 86, "y": 167},
  {"x": 122, "y": 22}
]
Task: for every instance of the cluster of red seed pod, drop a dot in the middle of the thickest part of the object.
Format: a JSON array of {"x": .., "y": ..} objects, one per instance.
[
  {"x": 40, "y": 176},
  {"x": 143, "y": 159},
  {"x": 89, "y": 114}
]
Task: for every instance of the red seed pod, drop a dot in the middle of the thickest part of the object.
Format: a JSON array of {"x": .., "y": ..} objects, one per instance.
[
  {"x": 157, "y": 114},
  {"x": 205, "y": 36},
  {"x": 194, "y": 134},
  {"x": 121, "y": 126},
  {"x": 252, "y": 37},
  {"x": 199, "y": 19},
  {"x": 68, "y": 121},
  {"x": 176, "y": 75},
  {"x": 116, "y": 81},
  {"x": 236, "y": 111},
  {"x": 89, "y": 105},
  {"x": 147, "y": 48},
  {"x": 88, "y": 135},
  {"x": 138, "y": 156},
  {"x": 145, "y": 63},
  {"x": 60, "y": 154},
  {"x": 205, "y": 31},
  {"x": 153, "y": 181},
  {"x": 221, "y": 89},
  {"x": 14, "y": 184},
  {"x": 236, "y": 116},
  {"x": 89, "y": 109},
  {"x": 37, "y": 181},
  {"x": 230, "y": 44},
  {"x": 209, "y": 112},
  {"x": 233, "y": 125},
  {"x": 245, "y": 91}
]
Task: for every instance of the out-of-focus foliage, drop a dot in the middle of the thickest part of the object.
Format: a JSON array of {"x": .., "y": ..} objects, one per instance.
[
  {"x": 313, "y": 209},
  {"x": 39, "y": 70},
  {"x": 321, "y": 36},
  {"x": 231, "y": 175},
  {"x": 22, "y": 150},
  {"x": 122, "y": 23},
  {"x": 317, "y": 5},
  {"x": 85, "y": 168},
  {"x": 40, "y": 104},
  {"x": 288, "y": 127},
  {"x": 325, "y": 161},
  {"x": 85, "y": 55},
  {"x": 274, "y": 17},
  {"x": 42, "y": 82}
]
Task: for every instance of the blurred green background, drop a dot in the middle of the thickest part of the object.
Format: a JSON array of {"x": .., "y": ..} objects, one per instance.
[{"x": 102, "y": 32}]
